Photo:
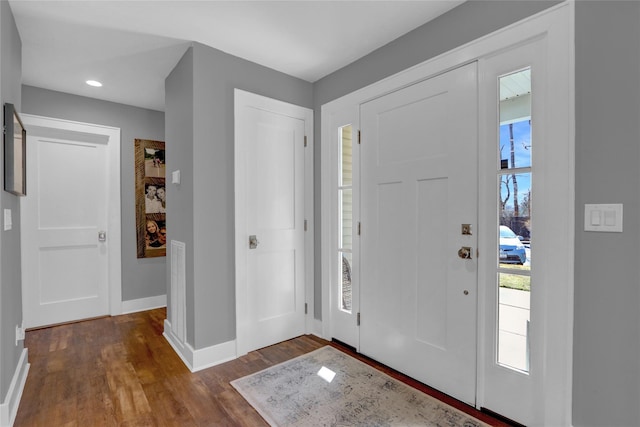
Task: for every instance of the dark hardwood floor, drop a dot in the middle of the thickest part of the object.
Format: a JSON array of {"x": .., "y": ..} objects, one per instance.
[{"x": 120, "y": 371}]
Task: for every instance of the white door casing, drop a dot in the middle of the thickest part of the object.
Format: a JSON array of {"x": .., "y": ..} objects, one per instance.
[
  {"x": 273, "y": 188},
  {"x": 552, "y": 384},
  {"x": 74, "y": 194},
  {"x": 418, "y": 297}
]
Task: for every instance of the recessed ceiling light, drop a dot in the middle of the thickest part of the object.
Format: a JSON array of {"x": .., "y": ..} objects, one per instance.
[{"x": 94, "y": 83}]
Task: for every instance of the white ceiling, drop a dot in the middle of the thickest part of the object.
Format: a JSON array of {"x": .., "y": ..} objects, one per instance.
[{"x": 132, "y": 45}]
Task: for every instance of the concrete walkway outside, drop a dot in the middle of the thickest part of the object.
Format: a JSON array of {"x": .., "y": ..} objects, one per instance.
[{"x": 514, "y": 308}]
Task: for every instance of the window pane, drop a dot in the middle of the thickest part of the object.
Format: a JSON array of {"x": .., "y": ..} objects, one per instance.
[
  {"x": 346, "y": 177},
  {"x": 515, "y": 120},
  {"x": 345, "y": 282},
  {"x": 346, "y": 219},
  {"x": 345, "y": 215},
  {"x": 515, "y": 219},
  {"x": 513, "y": 320}
]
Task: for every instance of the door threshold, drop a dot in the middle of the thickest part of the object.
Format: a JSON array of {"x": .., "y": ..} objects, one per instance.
[
  {"x": 345, "y": 345},
  {"x": 501, "y": 417}
]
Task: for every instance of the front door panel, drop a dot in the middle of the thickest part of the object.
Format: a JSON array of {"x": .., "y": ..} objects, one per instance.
[{"x": 419, "y": 185}]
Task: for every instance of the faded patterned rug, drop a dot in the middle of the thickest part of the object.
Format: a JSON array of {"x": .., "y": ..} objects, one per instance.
[{"x": 330, "y": 388}]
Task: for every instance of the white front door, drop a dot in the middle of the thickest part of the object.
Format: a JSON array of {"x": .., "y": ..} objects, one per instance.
[
  {"x": 419, "y": 186},
  {"x": 270, "y": 225},
  {"x": 65, "y": 225}
]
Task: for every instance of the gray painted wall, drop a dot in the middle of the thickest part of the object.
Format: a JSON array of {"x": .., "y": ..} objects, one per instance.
[
  {"x": 179, "y": 156},
  {"x": 215, "y": 75},
  {"x": 10, "y": 270},
  {"x": 141, "y": 278},
  {"x": 607, "y": 278},
  {"x": 463, "y": 24}
]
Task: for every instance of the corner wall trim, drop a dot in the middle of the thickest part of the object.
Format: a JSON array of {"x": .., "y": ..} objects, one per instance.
[
  {"x": 143, "y": 304},
  {"x": 9, "y": 408},
  {"x": 317, "y": 329},
  {"x": 197, "y": 360}
]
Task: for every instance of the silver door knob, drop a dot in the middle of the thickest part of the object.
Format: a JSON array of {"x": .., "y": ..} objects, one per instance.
[
  {"x": 253, "y": 242},
  {"x": 102, "y": 236},
  {"x": 465, "y": 252}
]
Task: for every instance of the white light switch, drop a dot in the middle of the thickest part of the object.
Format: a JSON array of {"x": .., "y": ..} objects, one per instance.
[
  {"x": 607, "y": 218},
  {"x": 8, "y": 223},
  {"x": 175, "y": 177}
]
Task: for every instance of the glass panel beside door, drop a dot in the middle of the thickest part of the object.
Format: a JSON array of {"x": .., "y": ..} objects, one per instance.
[
  {"x": 514, "y": 221},
  {"x": 345, "y": 206},
  {"x": 344, "y": 291}
]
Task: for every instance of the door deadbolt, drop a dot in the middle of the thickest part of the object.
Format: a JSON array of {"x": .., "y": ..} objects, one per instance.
[
  {"x": 465, "y": 252},
  {"x": 253, "y": 241},
  {"x": 102, "y": 236}
]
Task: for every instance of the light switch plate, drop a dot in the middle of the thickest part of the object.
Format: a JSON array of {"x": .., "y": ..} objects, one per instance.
[
  {"x": 603, "y": 217},
  {"x": 8, "y": 223},
  {"x": 175, "y": 177}
]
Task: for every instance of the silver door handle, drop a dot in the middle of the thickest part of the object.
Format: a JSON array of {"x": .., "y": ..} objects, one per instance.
[
  {"x": 465, "y": 252},
  {"x": 253, "y": 242},
  {"x": 102, "y": 236}
]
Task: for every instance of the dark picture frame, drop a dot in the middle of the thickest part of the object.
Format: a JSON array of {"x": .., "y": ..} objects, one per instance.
[
  {"x": 15, "y": 152},
  {"x": 150, "y": 198}
]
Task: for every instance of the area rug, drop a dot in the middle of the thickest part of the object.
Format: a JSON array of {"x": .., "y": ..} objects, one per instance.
[{"x": 330, "y": 388}]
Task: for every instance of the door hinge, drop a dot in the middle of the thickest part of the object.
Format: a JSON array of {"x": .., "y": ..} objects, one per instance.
[
  {"x": 359, "y": 228},
  {"x": 359, "y": 137},
  {"x": 305, "y": 225},
  {"x": 305, "y": 140},
  {"x": 306, "y": 308},
  {"x": 358, "y": 319}
]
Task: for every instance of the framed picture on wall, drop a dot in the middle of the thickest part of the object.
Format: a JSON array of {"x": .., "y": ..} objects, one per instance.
[
  {"x": 151, "y": 200},
  {"x": 15, "y": 152}
]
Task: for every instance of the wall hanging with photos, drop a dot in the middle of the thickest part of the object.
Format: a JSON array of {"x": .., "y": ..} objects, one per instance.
[
  {"x": 15, "y": 152},
  {"x": 151, "y": 203}
]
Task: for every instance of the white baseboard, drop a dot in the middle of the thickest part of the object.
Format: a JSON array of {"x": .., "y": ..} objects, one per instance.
[
  {"x": 197, "y": 360},
  {"x": 143, "y": 304},
  {"x": 9, "y": 408}
]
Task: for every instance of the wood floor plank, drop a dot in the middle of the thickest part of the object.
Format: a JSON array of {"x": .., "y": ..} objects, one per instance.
[
  {"x": 121, "y": 371},
  {"x": 167, "y": 409}
]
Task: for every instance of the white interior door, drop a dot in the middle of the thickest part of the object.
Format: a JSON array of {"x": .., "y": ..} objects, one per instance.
[
  {"x": 419, "y": 185},
  {"x": 270, "y": 230},
  {"x": 65, "y": 226}
]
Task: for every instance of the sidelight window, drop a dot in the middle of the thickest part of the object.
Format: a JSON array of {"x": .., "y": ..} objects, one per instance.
[
  {"x": 514, "y": 222},
  {"x": 345, "y": 215}
]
